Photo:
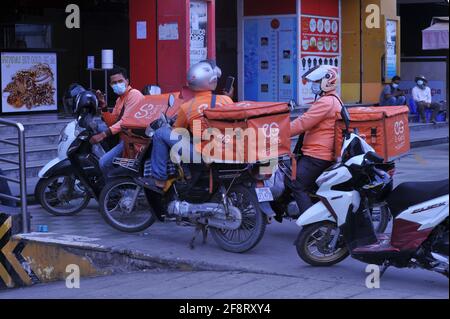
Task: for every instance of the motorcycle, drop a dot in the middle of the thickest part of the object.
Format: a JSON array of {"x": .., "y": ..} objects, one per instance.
[
  {"x": 69, "y": 181},
  {"x": 223, "y": 198},
  {"x": 284, "y": 205},
  {"x": 339, "y": 224}
]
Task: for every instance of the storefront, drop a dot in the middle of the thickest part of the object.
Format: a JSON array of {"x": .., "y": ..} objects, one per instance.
[{"x": 267, "y": 45}]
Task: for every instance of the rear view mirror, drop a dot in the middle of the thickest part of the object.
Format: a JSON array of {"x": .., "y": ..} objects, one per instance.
[
  {"x": 171, "y": 101},
  {"x": 151, "y": 90},
  {"x": 292, "y": 105}
]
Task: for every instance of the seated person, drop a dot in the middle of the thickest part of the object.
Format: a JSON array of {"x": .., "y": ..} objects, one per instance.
[
  {"x": 127, "y": 98},
  {"x": 421, "y": 94},
  {"x": 202, "y": 79},
  {"x": 391, "y": 95}
]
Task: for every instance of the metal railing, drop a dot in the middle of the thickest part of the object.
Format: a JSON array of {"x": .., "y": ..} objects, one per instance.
[{"x": 22, "y": 181}]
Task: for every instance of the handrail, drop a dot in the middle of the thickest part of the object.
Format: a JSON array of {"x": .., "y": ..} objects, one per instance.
[{"x": 22, "y": 172}]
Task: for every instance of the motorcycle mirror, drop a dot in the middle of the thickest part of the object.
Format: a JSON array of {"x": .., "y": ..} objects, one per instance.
[
  {"x": 292, "y": 105},
  {"x": 149, "y": 131},
  {"x": 171, "y": 101}
]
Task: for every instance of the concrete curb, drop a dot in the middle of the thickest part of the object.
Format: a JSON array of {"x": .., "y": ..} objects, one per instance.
[{"x": 429, "y": 142}]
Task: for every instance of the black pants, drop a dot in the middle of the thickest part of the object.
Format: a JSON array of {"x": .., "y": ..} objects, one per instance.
[
  {"x": 433, "y": 106},
  {"x": 308, "y": 170}
]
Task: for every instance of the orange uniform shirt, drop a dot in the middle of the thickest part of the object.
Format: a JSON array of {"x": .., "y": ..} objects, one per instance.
[
  {"x": 193, "y": 110},
  {"x": 318, "y": 125},
  {"x": 131, "y": 98}
]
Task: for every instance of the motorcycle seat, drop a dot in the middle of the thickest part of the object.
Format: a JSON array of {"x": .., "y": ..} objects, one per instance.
[{"x": 412, "y": 193}]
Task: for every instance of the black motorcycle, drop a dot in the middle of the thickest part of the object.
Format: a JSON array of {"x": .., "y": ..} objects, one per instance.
[{"x": 220, "y": 197}]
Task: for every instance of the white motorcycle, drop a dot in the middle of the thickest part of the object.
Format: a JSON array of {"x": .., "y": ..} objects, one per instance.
[
  {"x": 340, "y": 224},
  {"x": 60, "y": 189}
]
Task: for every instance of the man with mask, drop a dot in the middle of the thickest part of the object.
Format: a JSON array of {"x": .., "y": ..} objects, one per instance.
[
  {"x": 391, "y": 95},
  {"x": 202, "y": 79},
  {"x": 421, "y": 94},
  {"x": 128, "y": 98},
  {"x": 317, "y": 125}
]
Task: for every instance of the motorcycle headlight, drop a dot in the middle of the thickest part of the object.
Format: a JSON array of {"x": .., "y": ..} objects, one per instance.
[{"x": 325, "y": 178}]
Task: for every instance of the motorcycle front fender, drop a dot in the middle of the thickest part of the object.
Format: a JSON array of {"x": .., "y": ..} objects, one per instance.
[
  {"x": 56, "y": 165},
  {"x": 316, "y": 213}
]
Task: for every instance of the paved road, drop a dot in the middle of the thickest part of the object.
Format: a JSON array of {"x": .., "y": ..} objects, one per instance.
[{"x": 271, "y": 270}]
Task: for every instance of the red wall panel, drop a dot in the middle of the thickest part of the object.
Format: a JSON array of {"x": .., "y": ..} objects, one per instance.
[
  {"x": 143, "y": 68},
  {"x": 328, "y": 8},
  {"x": 269, "y": 7}
]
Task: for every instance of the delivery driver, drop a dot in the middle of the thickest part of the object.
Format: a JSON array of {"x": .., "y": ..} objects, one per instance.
[
  {"x": 128, "y": 98},
  {"x": 202, "y": 79},
  {"x": 317, "y": 124}
]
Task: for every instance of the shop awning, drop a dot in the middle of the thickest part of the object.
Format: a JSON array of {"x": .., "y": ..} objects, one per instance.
[{"x": 435, "y": 37}]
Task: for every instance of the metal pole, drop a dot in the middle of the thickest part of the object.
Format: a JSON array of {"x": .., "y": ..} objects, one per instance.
[
  {"x": 23, "y": 180},
  {"x": 106, "y": 87}
]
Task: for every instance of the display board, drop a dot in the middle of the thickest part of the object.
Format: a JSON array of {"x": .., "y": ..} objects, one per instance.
[
  {"x": 391, "y": 49},
  {"x": 270, "y": 58},
  {"x": 319, "y": 45},
  {"x": 28, "y": 82}
]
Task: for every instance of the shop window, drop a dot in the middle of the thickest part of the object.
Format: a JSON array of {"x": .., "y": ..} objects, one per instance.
[{"x": 26, "y": 36}]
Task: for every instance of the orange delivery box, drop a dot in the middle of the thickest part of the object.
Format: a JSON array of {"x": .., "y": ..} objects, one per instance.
[
  {"x": 136, "y": 119},
  {"x": 246, "y": 132},
  {"x": 385, "y": 128}
]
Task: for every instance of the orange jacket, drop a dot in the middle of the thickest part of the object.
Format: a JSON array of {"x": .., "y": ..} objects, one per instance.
[
  {"x": 318, "y": 125},
  {"x": 193, "y": 110},
  {"x": 128, "y": 100}
]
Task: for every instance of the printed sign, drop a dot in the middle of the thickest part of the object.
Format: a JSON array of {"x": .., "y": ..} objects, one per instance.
[
  {"x": 391, "y": 48},
  {"x": 29, "y": 82},
  {"x": 319, "y": 45},
  {"x": 198, "y": 31},
  {"x": 168, "y": 31}
]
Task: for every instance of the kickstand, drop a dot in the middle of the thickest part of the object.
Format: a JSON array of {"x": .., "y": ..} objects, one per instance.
[
  {"x": 383, "y": 269},
  {"x": 198, "y": 228}
]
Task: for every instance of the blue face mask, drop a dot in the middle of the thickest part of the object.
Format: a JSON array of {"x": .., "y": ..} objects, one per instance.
[
  {"x": 315, "y": 88},
  {"x": 119, "y": 88},
  {"x": 420, "y": 82},
  {"x": 394, "y": 85}
]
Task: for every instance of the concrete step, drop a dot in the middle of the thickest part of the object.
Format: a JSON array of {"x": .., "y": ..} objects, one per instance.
[
  {"x": 414, "y": 127},
  {"x": 39, "y": 152},
  {"x": 429, "y": 137},
  {"x": 41, "y": 138},
  {"x": 32, "y": 170},
  {"x": 36, "y": 127}
]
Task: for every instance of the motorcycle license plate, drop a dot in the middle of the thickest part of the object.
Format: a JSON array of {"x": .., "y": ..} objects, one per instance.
[{"x": 264, "y": 194}]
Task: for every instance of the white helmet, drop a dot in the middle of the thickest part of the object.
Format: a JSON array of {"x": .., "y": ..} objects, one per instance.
[
  {"x": 327, "y": 73},
  {"x": 203, "y": 76}
]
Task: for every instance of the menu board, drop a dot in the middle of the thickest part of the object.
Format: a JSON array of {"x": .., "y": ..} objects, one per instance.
[
  {"x": 319, "y": 45},
  {"x": 198, "y": 31},
  {"x": 29, "y": 82},
  {"x": 270, "y": 59}
]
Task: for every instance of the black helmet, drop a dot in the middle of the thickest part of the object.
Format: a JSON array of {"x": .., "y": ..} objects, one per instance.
[
  {"x": 70, "y": 96},
  {"x": 86, "y": 102}
]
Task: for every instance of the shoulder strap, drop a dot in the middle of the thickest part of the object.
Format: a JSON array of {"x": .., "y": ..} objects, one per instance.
[
  {"x": 213, "y": 101},
  {"x": 122, "y": 111}
]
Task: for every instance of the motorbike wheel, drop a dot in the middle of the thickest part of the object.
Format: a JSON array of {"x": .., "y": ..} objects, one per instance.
[
  {"x": 115, "y": 200},
  {"x": 380, "y": 217},
  {"x": 47, "y": 195},
  {"x": 312, "y": 245},
  {"x": 252, "y": 227}
]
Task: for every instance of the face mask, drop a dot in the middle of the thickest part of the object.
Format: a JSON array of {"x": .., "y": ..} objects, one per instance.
[
  {"x": 315, "y": 88},
  {"x": 394, "y": 85},
  {"x": 420, "y": 82},
  {"x": 119, "y": 88}
]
